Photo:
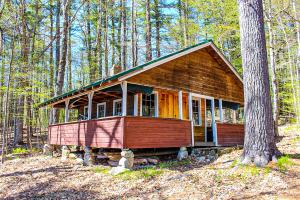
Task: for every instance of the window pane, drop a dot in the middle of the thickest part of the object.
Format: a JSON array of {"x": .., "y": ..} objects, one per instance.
[{"x": 148, "y": 105}]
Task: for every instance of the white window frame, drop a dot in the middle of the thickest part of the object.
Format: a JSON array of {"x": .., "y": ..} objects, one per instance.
[
  {"x": 114, "y": 105},
  {"x": 199, "y": 111},
  {"x": 99, "y": 104},
  {"x": 85, "y": 114},
  {"x": 156, "y": 104}
]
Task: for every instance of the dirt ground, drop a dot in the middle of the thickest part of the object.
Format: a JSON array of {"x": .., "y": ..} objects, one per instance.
[{"x": 41, "y": 177}]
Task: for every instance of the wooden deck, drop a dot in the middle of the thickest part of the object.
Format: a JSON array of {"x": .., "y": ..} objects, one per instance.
[{"x": 123, "y": 132}]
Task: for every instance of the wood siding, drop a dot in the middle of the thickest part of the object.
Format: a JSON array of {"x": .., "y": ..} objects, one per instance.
[
  {"x": 95, "y": 133},
  {"x": 200, "y": 72},
  {"x": 143, "y": 132},
  {"x": 123, "y": 132},
  {"x": 230, "y": 134}
]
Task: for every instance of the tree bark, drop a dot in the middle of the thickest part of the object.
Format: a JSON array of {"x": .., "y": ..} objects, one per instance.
[
  {"x": 133, "y": 34},
  {"x": 259, "y": 144},
  {"x": 106, "y": 37},
  {"x": 273, "y": 68},
  {"x": 124, "y": 36},
  {"x": 62, "y": 65},
  {"x": 51, "y": 64},
  {"x": 99, "y": 38},
  {"x": 157, "y": 27},
  {"x": 89, "y": 43},
  {"x": 148, "y": 32}
]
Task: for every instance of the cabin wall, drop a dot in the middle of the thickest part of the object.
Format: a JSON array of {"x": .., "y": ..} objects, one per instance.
[
  {"x": 141, "y": 132},
  {"x": 230, "y": 134},
  {"x": 106, "y": 133},
  {"x": 109, "y": 106},
  {"x": 199, "y": 72}
]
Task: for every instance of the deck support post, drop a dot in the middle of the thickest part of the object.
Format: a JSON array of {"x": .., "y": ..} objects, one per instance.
[
  {"x": 67, "y": 110},
  {"x": 90, "y": 104},
  {"x": 125, "y": 163},
  {"x": 180, "y": 105},
  {"x": 221, "y": 110},
  {"x": 88, "y": 158},
  {"x": 182, "y": 153},
  {"x": 65, "y": 152},
  {"x": 191, "y": 116},
  {"x": 124, "y": 98}
]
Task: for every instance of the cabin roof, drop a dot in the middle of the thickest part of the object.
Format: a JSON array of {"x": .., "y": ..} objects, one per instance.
[{"x": 144, "y": 67}]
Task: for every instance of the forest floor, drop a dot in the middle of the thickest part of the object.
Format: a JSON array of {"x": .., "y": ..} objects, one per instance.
[{"x": 41, "y": 177}]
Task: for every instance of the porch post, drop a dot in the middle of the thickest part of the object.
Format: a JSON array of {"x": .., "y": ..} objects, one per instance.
[
  {"x": 180, "y": 104},
  {"x": 213, "y": 122},
  {"x": 51, "y": 116},
  {"x": 221, "y": 110},
  {"x": 136, "y": 103},
  {"x": 156, "y": 102},
  {"x": 67, "y": 110},
  {"x": 191, "y": 116},
  {"x": 124, "y": 98},
  {"x": 90, "y": 97}
]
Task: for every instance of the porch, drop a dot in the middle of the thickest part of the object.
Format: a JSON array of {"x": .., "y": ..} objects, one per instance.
[{"x": 123, "y": 132}]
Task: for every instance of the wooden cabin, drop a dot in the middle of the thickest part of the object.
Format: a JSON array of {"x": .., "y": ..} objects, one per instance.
[{"x": 193, "y": 97}]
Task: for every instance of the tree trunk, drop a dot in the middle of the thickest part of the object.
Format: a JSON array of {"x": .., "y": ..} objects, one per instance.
[
  {"x": 62, "y": 65},
  {"x": 89, "y": 43},
  {"x": 273, "y": 68},
  {"x": 113, "y": 42},
  {"x": 148, "y": 32},
  {"x": 106, "y": 37},
  {"x": 119, "y": 46},
  {"x": 99, "y": 38},
  {"x": 133, "y": 34},
  {"x": 57, "y": 57},
  {"x": 69, "y": 58},
  {"x": 51, "y": 65},
  {"x": 259, "y": 144},
  {"x": 124, "y": 38},
  {"x": 157, "y": 27}
]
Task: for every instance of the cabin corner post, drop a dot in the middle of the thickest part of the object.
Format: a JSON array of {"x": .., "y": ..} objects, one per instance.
[
  {"x": 136, "y": 103},
  {"x": 191, "y": 117},
  {"x": 124, "y": 98},
  {"x": 180, "y": 104},
  {"x": 90, "y": 104}
]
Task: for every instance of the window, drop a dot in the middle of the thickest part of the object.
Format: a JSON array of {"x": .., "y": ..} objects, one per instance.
[
  {"x": 85, "y": 112},
  {"x": 148, "y": 105},
  {"x": 101, "y": 109},
  {"x": 196, "y": 112},
  {"x": 117, "y": 108}
]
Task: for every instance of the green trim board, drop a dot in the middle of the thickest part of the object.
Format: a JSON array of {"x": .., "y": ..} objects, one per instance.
[{"x": 116, "y": 76}]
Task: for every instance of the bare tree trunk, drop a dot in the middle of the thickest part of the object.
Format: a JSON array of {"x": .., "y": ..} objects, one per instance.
[
  {"x": 259, "y": 145},
  {"x": 185, "y": 24},
  {"x": 113, "y": 42},
  {"x": 133, "y": 34},
  {"x": 62, "y": 65},
  {"x": 273, "y": 68},
  {"x": 157, "y": 27},
  {"x": 24, "y": 71},
  {"x": 99, "y": 38},
  {"x": 124, "y": 34},
  {"x": 57, "y": 57},
  {"x": 148, "y": 32},
  {"x": 89, "y": 43},
  {"x": 51, "y": 51},
  {"x": 69, "y": 58},
  {"x": 181, "y": 26},
  {"x": 119, "y": 46},
  {"x": 106, "y": 37}
]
